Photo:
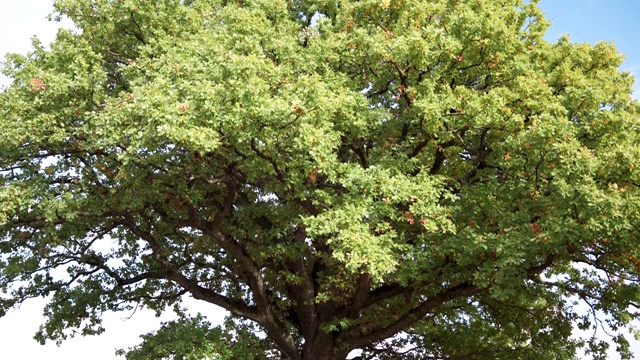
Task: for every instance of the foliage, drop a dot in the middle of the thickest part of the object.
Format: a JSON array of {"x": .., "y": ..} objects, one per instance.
[
  {"x": 195, "y": 339},
  {"x": 414, "y": 179}
]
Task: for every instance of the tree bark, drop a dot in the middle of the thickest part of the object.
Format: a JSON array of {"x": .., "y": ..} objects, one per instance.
[{"x": 322, "y": 348}]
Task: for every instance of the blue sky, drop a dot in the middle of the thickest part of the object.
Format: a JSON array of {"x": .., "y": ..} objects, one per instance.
[
  {"x": 599, "y": 20},
  {"x": 585, "y": 21}
]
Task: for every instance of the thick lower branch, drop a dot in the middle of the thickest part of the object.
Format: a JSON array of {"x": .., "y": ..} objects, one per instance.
[
  {"x": 172, "y": 272},
  {"x": 263, "y": 310},
  {"x": 414, "y": 315}
]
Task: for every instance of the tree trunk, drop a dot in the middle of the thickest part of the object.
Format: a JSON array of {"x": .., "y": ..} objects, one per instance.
[{"x": 322, "y": 347}]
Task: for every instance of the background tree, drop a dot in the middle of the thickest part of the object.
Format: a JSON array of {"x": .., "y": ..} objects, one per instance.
[{"x": 414, "y": 179}]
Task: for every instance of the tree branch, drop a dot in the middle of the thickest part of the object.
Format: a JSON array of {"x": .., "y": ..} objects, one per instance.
[{"x": 416, "y": 314}]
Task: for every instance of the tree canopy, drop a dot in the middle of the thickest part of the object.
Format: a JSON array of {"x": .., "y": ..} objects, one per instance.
[{"x": 424, "y": 179}]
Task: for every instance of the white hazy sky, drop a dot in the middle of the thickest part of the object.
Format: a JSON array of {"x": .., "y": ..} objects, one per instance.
[{"x": 22, "y": 19}]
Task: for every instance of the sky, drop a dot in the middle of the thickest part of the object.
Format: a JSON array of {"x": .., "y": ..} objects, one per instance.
[
  {"x": 584, "y": 20},
  {"x": 599, "y": 20}
]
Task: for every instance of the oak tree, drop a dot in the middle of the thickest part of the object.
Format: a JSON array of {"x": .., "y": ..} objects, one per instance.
[{"x": 424, "y": 179}]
